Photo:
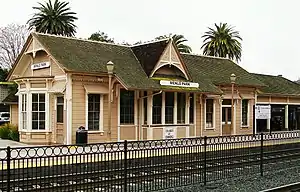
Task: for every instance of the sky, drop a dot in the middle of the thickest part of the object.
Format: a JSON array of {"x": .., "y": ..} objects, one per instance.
[{"x": 269, "y": 28}]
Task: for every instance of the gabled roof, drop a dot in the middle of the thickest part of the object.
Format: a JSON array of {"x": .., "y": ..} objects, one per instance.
[
  {"x": 148, "y": 54},
  {"x": 133, "y": 64},
  {"x": 277, "y": 85},
  {"x": 218, "y": 70}
]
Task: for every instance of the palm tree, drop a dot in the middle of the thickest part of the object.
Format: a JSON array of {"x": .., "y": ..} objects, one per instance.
[
  {"x": 178, "y": 41},
  {"x": 54, "y": 19},
  {"x": 223, "y": 41}
]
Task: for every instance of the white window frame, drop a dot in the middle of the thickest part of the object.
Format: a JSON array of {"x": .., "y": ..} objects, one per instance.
[
  {"x": 46, "y": 111},
  {"x": 21, "y": 121},
  {"x": 101, "y": 123},
  {"x": 55, "y": 107},
  {"x": 248, "y": 113},
  {"x": 214, "y": 114}
]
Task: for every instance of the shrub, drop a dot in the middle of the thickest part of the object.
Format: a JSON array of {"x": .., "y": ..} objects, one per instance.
[
  {"x": 4, "y": 131},
  {"x": 9, "y": 131},
  {"x": 14, "y": 133}
]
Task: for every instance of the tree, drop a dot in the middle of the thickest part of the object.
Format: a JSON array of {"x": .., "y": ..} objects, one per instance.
[
  {"x": 179, "y": 42},
  {"x": 101, "y": 36},
  {"x": 12, "y": 39},
  {"x": 3, "y": 74},
  {"x": 54, "y": 19},
  {"x": 223, "y": 41}
]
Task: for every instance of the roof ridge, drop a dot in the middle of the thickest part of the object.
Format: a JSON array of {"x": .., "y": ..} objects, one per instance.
[
  {"x": 267, "y": 75},
  {"x": 79, "y": 39},
  {"x": 208, "y": 56},
  {"x": 149, "y": 42}
]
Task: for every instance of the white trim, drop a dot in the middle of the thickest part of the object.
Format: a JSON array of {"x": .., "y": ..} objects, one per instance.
[
  {"x": 214, "y": 115},
  {"x": 195, "y": 113},
  {"x": 187, "y": 114},
  {"x": 276, "y": 103},
  {"x": 234, "y": 116},
  {"x": 136, "y": 96},
  {"x": 248, "y": 113},
  {"x": 119, "y": 130},
  {"x": 149, "y": 115},
  {"x": 69, "y": 109},
  {"x": 221, "y": 113},
  {"x": 101, "y": 119},
  {"x": 286, "y": 116}
]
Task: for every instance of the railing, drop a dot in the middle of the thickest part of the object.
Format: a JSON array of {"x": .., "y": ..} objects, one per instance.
[{"x": 145, "y": 165}]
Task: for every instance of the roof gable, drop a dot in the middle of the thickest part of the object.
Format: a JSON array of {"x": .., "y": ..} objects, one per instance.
[
  {"x": 277, "y": 85},
  {"x": 149, "y": 54},
  {"x": 171, "y": 57}
]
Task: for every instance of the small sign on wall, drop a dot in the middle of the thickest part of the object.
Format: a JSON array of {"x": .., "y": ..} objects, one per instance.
[
  {"x": 40, "y": 65},
  {"x": 262, "y": 111},
  {"x": 169, "y": 133}
]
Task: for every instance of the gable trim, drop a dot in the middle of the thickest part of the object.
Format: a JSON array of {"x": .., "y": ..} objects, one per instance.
[{"x": 162, "y": 63}]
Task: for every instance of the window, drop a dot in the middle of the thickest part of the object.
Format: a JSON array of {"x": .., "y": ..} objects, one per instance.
[
  {"x": 126, "y": 107},
  {"x": 156, "y": 109},
  {"x": 145, "y": 107},
  {"x": 38, "y": 111},
  {"x": 209, "y": 113},
  {"x": 245, "y": 111},
  {"x": 191, "y": 108},
  {"x": 169, "y": 108},
  {"x": 24, "y": 110},
  {"x": 93, "y": 112},
  {"x": 181, "y": 98},
  {"x": 60, "y": 109}
]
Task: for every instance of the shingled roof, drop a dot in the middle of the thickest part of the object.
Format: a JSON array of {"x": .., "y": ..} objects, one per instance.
[
  {"x": 277, "y": 85},
  {"x": 133, "y": 64}
]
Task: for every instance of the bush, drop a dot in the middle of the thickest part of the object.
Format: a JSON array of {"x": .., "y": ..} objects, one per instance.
[
  {"x": 4, "y": 131},
  {"x": 9, "y": 131},
  {"x": 14, "y": 133}
]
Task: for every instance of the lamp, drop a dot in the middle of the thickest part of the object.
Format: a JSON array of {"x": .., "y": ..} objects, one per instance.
[
  {"x": 110, "y": 71},
  {"x": 232, "y": 79},
  {"x": 110, "y": 67}
]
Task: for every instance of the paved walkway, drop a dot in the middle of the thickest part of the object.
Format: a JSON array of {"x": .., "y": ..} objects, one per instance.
[{"x": 5, "y": 143}]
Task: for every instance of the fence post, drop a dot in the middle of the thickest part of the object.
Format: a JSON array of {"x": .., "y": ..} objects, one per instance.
[
  {"x": 261, "y": 153},
  {"x": 8, "y": 167},
  {"x": 125, "y": 165},
  {"x": 205, "y": 159}
]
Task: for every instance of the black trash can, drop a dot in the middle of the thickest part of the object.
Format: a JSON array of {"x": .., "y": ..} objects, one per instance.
[{"x": 81, "y": 136}]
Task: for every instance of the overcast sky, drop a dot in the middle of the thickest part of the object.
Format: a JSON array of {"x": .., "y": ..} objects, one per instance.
[{"x": 269, "y": 28}]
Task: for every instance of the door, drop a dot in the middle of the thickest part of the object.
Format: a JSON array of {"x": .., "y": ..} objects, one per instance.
[{"x": 226, "y": 121}]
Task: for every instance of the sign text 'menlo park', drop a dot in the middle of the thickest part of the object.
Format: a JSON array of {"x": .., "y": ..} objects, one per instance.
[{"x": 179, "y": 84}]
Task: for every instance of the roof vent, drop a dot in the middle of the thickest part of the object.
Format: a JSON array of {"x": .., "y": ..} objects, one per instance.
[{"x": 279, "y": 75}]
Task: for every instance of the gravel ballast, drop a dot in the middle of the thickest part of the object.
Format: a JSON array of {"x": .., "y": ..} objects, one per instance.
[{"x": 248, "y": 183}]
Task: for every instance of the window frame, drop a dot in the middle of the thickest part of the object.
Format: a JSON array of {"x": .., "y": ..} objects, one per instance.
[
  {"x": 46, "y": 111},
  {"x": 22, "y": 97},
  {"x": 63, "y": 108},
  {"x": 213, "y": 113},
  {"x": 248, "y": 113},
  {"x": 101, "y": 119},
  {"x": 133, "y": 108}
]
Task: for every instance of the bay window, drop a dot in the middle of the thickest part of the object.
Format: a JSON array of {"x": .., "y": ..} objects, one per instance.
[
  {"x": 38, "y": 111},
  {"x": 23, "y": 111}
]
